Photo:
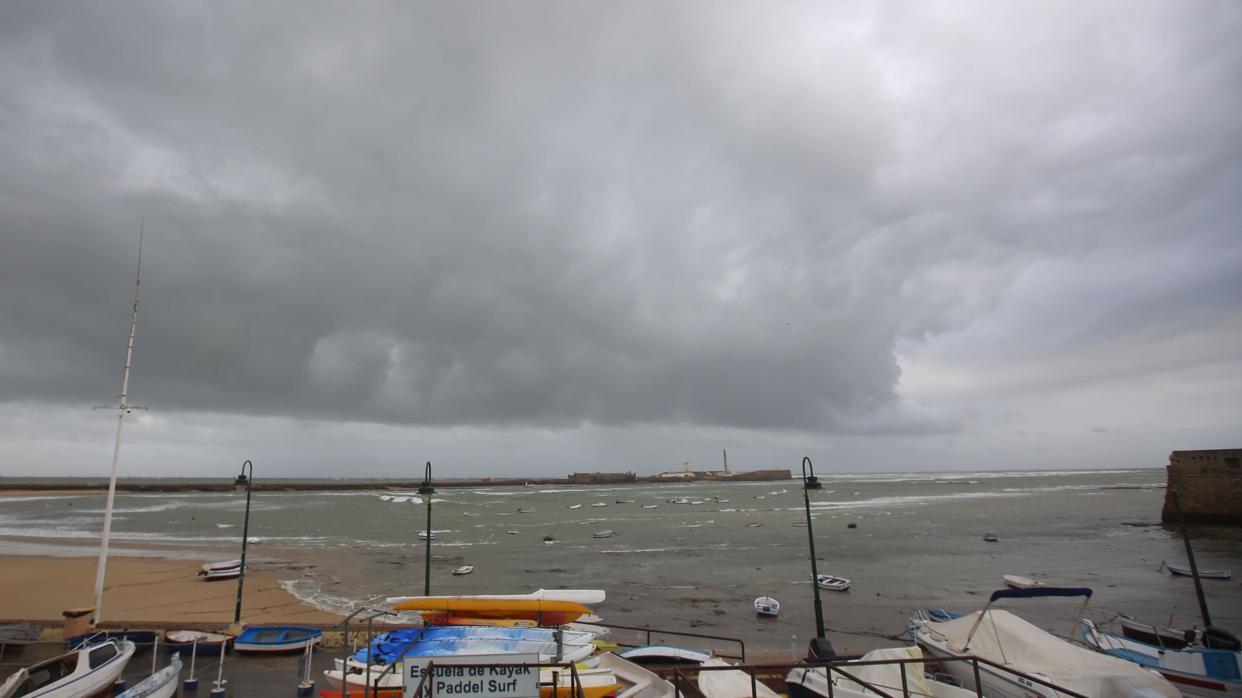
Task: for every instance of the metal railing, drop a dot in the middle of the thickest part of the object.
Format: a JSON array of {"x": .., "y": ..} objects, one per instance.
[{"x": 649, "y": 631}]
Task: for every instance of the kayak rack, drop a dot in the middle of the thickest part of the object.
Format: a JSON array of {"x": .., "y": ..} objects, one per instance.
[{"x": 649, "y": 631}]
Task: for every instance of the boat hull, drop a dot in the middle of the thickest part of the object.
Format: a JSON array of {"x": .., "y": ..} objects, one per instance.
[{"x": 285, "y": 639}]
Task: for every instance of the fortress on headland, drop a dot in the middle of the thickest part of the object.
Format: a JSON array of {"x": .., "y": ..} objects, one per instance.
[{"x": 1209, "y": 484}]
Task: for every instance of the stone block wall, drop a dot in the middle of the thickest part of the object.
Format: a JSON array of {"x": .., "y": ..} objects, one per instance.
[{"x": 1210, "y": 485}]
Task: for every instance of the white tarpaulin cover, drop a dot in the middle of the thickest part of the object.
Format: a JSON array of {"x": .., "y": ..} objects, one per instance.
[{"x": 1010, "y": 641}]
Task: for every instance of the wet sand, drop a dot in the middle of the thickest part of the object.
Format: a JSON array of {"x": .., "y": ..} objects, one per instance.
[{"x": 143, "y": 590}]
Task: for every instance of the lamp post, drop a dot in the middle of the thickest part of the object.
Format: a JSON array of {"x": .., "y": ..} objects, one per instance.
[
  {"x": 819, "y": 646},
  {"x": 243, "y": 479},
  {"x": 425, "y": 492}
]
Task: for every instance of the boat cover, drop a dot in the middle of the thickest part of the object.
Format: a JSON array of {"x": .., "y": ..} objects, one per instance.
[
  {"x": 886, "y": 677},
  {"x": 1010, "y": 641},
  {"x": 730, "y": 683}
]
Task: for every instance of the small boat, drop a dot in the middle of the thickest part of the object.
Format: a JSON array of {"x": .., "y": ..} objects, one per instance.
[
  {"x": 600, "y": 504},
  {"x": 1011, "y": 643},
  {"x": 423, "y": 535},
  {"x": 1172, "y": 638},
  {"x": 636, "y": 680},
  {"x": 832, "y": 583},
  {"x": 470, "y": 513},
  {"x": 730, "y": 683},
  {"x": 505, "y": 513},
  {"x": 220, "y": 573},
  {"x": 161, "y": 684},
  {"x": 464, "y": 569},
  {"x": 513, "y": 532},
  {"x": 1184, "y": 570},
  {"x": 401, "y": 500},
  {"x": 1195, "y": 672},
  {"x": 208, "y": 643},
  {"x": 812, "y": 682},
  {"x": 664, "y": 654},
  {"x": 604, "y": 534},
  {"x": 86, "y": 671},
  {"x": 385, "y": 497},
  {"x": 222, "y": 565},
  {"x": 574, "y": 506},
  {"x": 1017, "y": 581},
  {"x": 723, "y": 501},
  {"x": 990, "y": 537},
  {"x": 525, "y": 511},
  {"x": 548, "y": 540},
  {"x": 767, "y": 606},
  {"x": 620, "y": 501},
  {"x": 753, "y": 524},
  {"x": 276, "y": 639},
  {"x": 650, "y": 506},
  {"x": 16, "y": 636}
]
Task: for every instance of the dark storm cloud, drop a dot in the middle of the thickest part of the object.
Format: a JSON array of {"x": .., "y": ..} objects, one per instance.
[{"x": 549, "y": 214}]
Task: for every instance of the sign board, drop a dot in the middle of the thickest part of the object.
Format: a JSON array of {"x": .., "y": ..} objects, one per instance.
[{"x": 459, "y": 676}]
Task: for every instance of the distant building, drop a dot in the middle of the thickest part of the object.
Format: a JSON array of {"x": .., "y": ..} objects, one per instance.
[{"x": 1209, "y": 483}]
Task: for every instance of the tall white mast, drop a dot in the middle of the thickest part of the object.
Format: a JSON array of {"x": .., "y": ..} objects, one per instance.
[{"x": 122, "y": 408}]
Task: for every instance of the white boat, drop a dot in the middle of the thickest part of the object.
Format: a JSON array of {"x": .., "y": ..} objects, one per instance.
[
  {"x": 86, "y": 671},
  {"x": 767, "y": 606},
  {"x": 812, "y": 682},
  {"x": 220, "y": 573},
  {"x": 1195, "y": 672},
  {"x": 513, "y": 532},
  {"x": 424, "y": 535},
  {"x": 636, "y": 681},
  {"x": 385, "y": 497},
  {"x": 470, "y": 513},
  {"x": 730, "y": 683},
  {"x": 161, "y": 684},
  {"x": 664, "y": 654},
  {"x": 650, "y": 506},
  {"x": 574, "y": 506},
  {"x": 600, "y": 504},
  {"x": 464, "y": 569},
  {"x": 1014, "y": 644},
  {"x": 604, "y": 534},
  {"x": 832, "y": 583},
  {"x": 1184, "y": 570},
  {"x": 1017, "y": 581},
  {"x": 222, "y": 565}
]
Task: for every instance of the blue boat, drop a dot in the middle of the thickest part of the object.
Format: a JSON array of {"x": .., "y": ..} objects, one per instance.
[
  {"x": 451, "y": 640},
  {"x": 276, "y": 639}
]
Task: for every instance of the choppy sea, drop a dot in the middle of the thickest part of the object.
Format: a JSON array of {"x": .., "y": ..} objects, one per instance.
[{"x": 690, "y": 555}]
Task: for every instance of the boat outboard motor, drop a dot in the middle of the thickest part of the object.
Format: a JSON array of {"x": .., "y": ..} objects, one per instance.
[
  {"x": 1217, "y": 638},
  {"x": 820, "y": 651}
]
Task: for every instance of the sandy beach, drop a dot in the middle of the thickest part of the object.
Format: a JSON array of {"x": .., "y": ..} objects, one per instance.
[{"x": 143, "y": 590}]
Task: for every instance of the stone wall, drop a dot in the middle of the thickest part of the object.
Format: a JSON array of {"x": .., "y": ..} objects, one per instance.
[{"x": 1210, "y": 485}]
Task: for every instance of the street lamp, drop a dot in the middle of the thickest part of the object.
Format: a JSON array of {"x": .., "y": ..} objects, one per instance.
[
  {"x": 425, "y": 492},
  {"x": 820, "y": 647},
  {"x": 243, "y": 480}
]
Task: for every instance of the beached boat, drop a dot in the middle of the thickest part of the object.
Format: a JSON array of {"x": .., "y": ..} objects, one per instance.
[
  {"x": 813, "y": 682},
  {"x": 664, "y": 654},
  {"x": 832, "y": 583},
  {"x": 1172, "y": 638},
  {"x": 464, "y": 569},
  {"x": 730, "y": 683},
  {"x": 161, "y": 684},
  {"x": 424, "y": 535},
  {"x": 1184, "y": 570},
  {"x": 1010, "y": 642},
  {"x": 1017, "y": 581},
  {"x": 86, "y": 671},
  {"x": 15, "y": 637},
  {"x": 767, "y": 606},
  {"x": 636, "y": 680},
  {"x": 208, "y": 643},
  {"x": 1195, "y": 672},
  {"x": 276, "y": 639},
  {"x": 216, "y": 574},
  {"x": 609, "y": 533}
]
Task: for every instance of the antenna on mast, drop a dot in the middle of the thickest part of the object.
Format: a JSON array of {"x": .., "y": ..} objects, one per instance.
[{"x": 122, "y": 408}]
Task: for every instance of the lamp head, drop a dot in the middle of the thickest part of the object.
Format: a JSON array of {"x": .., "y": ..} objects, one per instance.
[
  {"x": 812, "y": 483},
  {"x": 426, "y": 490}
]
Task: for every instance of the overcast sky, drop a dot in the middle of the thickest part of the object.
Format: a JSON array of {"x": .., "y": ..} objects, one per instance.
[{"x": 521, "y": 238}]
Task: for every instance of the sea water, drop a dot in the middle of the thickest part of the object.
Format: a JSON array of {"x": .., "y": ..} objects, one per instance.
[{"x": 698, "y": 559}]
